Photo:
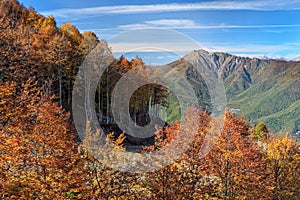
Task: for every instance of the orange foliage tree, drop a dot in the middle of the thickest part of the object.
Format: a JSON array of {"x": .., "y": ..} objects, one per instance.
[
  {"x": 283, "y": 168},
  {"x": 179, "y": 180},
  {"x": 37, "y": 150},
  {"x": 234, "y": 166}
]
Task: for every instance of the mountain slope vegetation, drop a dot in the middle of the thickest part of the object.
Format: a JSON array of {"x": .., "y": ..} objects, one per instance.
[{"x": 263, "y": 90}]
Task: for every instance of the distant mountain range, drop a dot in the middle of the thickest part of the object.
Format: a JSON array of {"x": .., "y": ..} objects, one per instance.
[
  {"x": 264, "y": 57},
  {"x": 266, "y": 90}
]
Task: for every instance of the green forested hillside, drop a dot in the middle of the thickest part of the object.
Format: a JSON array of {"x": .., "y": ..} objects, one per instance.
[{"x": 273, "y": 96}]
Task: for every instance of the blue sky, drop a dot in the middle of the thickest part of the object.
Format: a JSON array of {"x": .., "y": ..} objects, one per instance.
[{"x": 245, "y": 27}]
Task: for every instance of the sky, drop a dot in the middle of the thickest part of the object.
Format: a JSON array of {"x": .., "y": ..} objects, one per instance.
[{"x": 247, "y": 28}]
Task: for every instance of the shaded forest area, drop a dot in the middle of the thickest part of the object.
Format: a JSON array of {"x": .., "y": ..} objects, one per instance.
[{"x": 42, "y": 158}]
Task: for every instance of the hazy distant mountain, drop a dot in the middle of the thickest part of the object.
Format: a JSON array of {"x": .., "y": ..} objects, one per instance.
[
  {"x": 280, "y": 58},
  {"x": 264, "y": 57},
  {"x": 297, "y": 58},
  {"x": 265, "y": 90}
]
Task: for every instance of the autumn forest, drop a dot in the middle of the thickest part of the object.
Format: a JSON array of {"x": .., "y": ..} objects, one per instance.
[{"x": 42, "y": 156}]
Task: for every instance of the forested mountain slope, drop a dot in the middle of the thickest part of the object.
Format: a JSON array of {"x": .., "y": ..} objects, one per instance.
[{"x": 263, "y": 90}]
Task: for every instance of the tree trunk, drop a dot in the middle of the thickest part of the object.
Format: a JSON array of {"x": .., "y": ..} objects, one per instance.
[{"x": 60, "y": 87}]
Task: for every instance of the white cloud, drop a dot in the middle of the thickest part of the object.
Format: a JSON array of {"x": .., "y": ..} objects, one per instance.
[
  {"x": 175, "y": 7},
  {"x": 151, "y": 47},
  {"x": 162, "y": 23},
  {"x": 173, "y": 22},
  {"x": 270, "y": 50},
  {"x": 190, "y": 24}
]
